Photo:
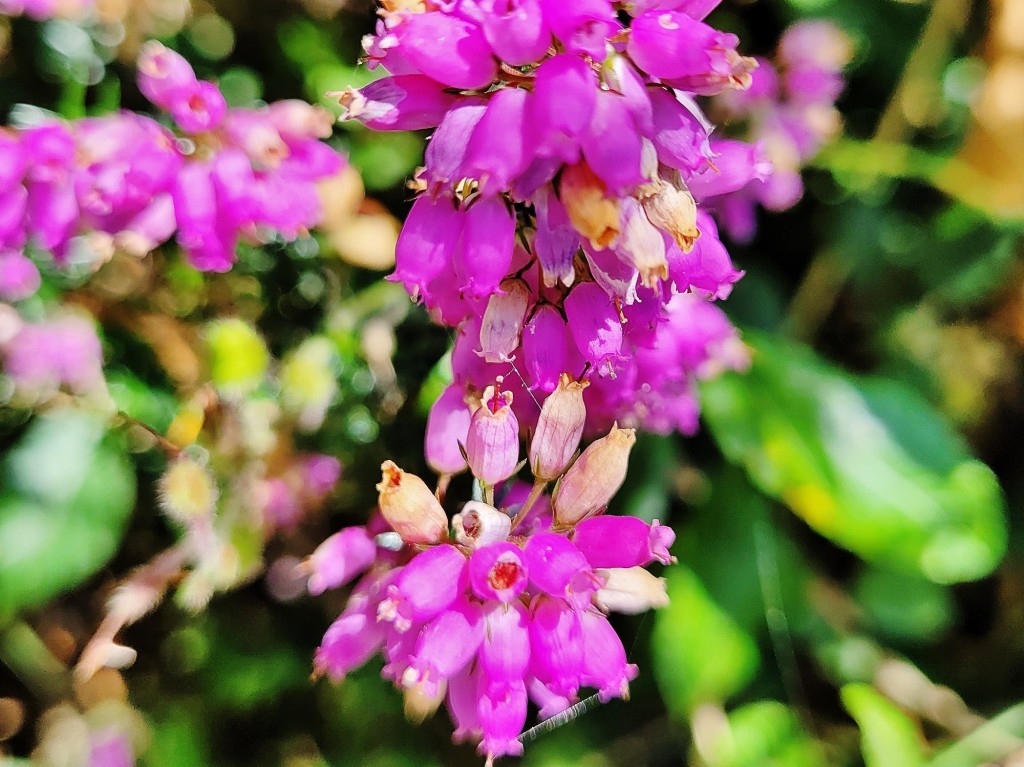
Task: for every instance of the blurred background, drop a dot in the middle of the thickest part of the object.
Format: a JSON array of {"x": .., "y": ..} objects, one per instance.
[{"x": 851, "y": 579}]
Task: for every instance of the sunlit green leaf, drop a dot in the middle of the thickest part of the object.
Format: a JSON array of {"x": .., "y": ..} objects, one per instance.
[
  {"x": 765, "y": 733},
  {"x": 66, "y": 491},
  {"x": 699, "y": 654},
  {"x": 868, "y": 464},
  {"x": 888, "y": 737}
]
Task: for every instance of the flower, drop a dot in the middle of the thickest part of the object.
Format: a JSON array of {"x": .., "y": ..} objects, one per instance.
[
  {"x": 515, "y": 608},
  {"x": 577, "y": 128}
]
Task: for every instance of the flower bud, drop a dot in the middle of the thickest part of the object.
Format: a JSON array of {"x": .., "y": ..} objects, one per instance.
[
  {"x": 409, "y": 507},
  {"x": 596, "y": 476},
  {"x": 187, "y": 491},
  {"x": 164, "y": 76},
  {"x": 479, "y": 525},
  {"x": 559, "y": 429},
  {"x": 503, "y": 321},
  {"x": 630, "y": 590},
  {"x": 492, "y": 446}
]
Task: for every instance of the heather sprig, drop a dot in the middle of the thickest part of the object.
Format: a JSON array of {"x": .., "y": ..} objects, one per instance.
[
  {"x": 507, "y": 601},
  {"x": 559, "y": 223}
]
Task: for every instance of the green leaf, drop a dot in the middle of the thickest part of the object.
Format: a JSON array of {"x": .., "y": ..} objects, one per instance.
[
  {"x": 867, "y": 463},
  {"x": 700, "y": 654},
  {"x": 743, "y": 558},
  {"x": 888, "y": 737},
  {"x": 904, "y": 607},
  {"x": 66, "y": 491},
  {"x": 765, "y": 733}
]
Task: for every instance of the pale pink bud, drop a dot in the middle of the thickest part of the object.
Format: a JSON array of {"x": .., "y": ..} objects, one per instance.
[
  {"x": 493, "y": 443},
  {"x": 503, "y": 321},
  {"x": 479, "y": 525},
  {"x": 629, "y": 590},
  {"x": 409, "y": 507},
  {"x": 559, "y": 429},
  {"x": 596, "y": 476}
]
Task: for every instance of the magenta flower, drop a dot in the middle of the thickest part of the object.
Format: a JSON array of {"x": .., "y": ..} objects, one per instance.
[{"x": 509, "y": 612}]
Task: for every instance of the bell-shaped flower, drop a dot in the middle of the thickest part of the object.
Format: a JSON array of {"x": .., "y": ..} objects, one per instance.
[
  {"x": 427, "y": 243},
  {"x": 556, "y": 566},
  {"x": 402, "y": 102},
  {"x": 425, "y": 587},
  {"x": 202, "y": 108},
  {"x": 485, "y": 252},
  {"x": 604, "y": 658},
  {"x": 446, "y": 151},
  {"x": 502, "y": 125},
  {"x": 467, "y": 64},
  {"x": 164, "y": 76},
  {"x": 516, "y": 30},
  {"x": 545, "y": 348},
  {"x": 505, "y": 652},
  {"x": 502, "y": 712},
  {"x": 612, "y": 145},
  {"x": 556, "y": 241},
  {"x": 446, "y": 645},
  {"x": 564, "y": 94},
  {"x": 609, "y": 541},
  {"x": 356, "y": 635},
  {"x": 687, "y": 53},
  {"x": 503, "y": 321},
  {"x": 583, "y": 26},
  {"x": 339, "y": 559},
  {"x": 447, "y": 429},
  {"x": 593, "y": 212},
  {"x": 492, "y": 446},
  {"x": 640, "y": 244},
  {"x": 594, "y": 324},
  {"x": 498, "y": 572},
  {"x": 595, "y": 477},
  {"x": 680, "y": 132},
  {"x": 556, "y": 645}
]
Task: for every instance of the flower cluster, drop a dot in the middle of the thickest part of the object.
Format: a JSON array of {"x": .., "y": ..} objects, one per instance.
[
  {"x": 790, "y": 111},
  {"x": 508, "y": 601},
  {"x": 41, "y": 10},
  {"x": 41, "y": 359},
  {"x": 557, "y": 223},
  {"x": 81, "y": 190}
]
